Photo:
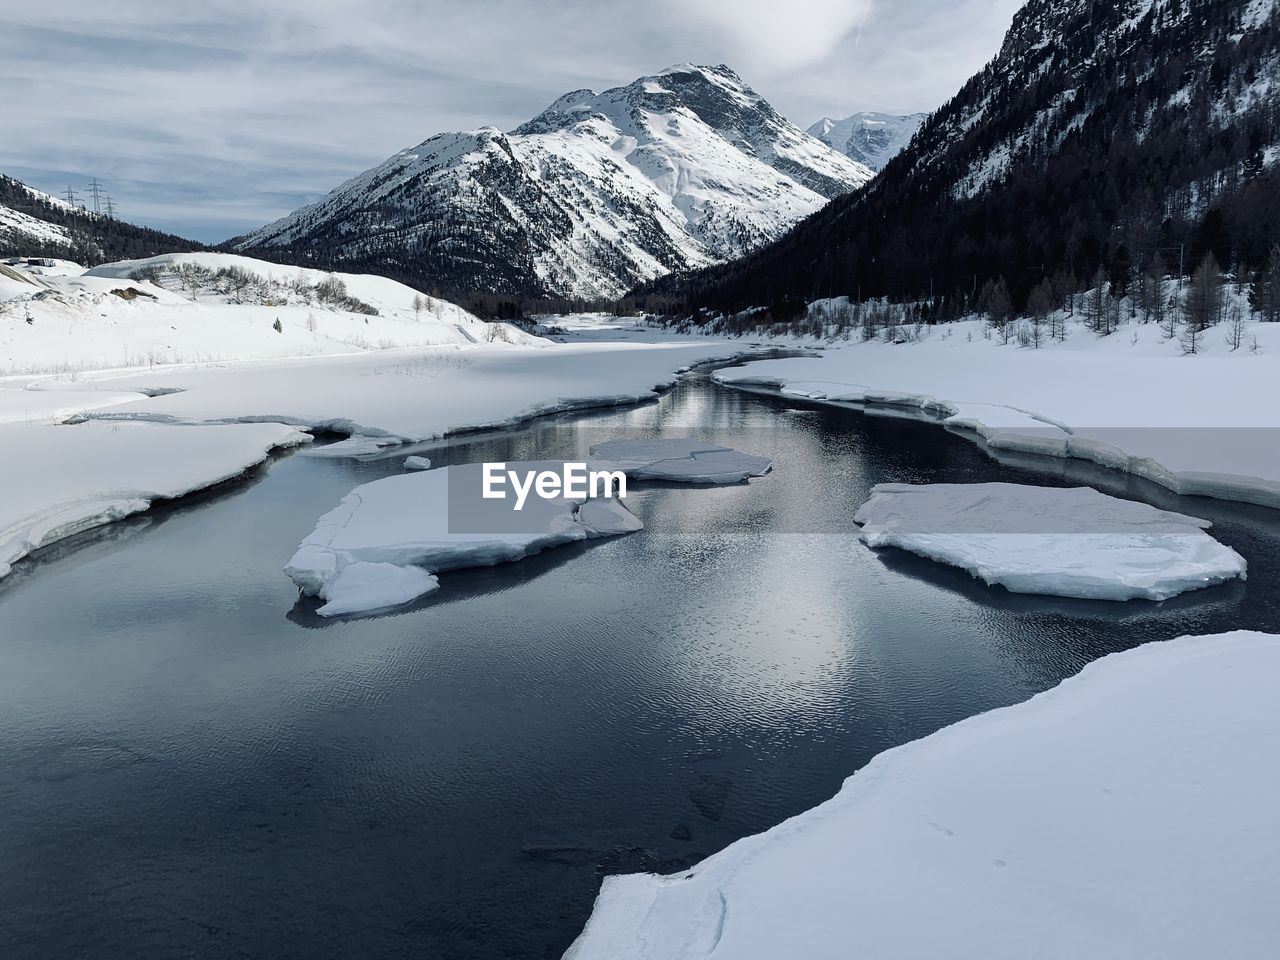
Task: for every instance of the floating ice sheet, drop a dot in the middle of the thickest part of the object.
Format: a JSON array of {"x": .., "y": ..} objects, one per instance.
[{"x": 1066, "y": 542}]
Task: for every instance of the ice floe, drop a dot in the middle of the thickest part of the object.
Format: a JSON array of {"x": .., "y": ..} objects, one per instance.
[
  {"x": 679, "y": 459},
  {"x": 1072, "y": 542},
  {"x": 383, "y": 544},
  {"x": 1128, "y": 812},
  {"x": 417, "y": 463}
]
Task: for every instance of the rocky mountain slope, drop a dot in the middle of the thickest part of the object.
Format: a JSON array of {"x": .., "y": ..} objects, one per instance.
[{"x": 599, "y": 192}]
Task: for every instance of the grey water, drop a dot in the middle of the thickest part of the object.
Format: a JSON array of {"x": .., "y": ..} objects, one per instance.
[{"x": 193, "y": 763}]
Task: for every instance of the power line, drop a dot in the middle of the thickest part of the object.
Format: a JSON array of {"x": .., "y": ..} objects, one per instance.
[
  {"x": 71, "y": 196},
  {"x": 111, "y": 207},
  {"x": 95, "y": 188}
]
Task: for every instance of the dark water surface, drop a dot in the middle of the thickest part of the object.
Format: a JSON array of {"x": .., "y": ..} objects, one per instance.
[{"x": 193, "y": 764}]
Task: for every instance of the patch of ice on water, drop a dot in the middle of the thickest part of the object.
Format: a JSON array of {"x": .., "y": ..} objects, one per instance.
[
  {"x": 1064, "y": 542},
  {"x": 382, "y": 544},
  {"x": 679, "y": 459}
]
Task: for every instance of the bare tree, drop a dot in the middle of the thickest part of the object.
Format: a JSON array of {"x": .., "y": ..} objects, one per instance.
[
  {"x": 995, "y": 302},
  {"x": 1204, "y": 295},
  {"x": 1236, "y": 326},
  {"x": 1040, "y": 305},
  {"x": 1095, "y": 304}
]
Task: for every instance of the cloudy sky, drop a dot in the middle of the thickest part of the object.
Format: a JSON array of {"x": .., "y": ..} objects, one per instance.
[{"x": 211, "y": 118}]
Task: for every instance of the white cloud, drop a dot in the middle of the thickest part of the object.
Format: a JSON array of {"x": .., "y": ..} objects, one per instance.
[{"x": 773, "y": 36}]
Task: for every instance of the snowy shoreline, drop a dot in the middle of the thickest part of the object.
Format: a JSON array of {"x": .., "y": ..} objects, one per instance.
[
  {"x": 1095, "y": 819},
  {"x": 136, "y": 465},
  {"x": 45, "y": 423},
  {"x": 1170, "y": 458}
]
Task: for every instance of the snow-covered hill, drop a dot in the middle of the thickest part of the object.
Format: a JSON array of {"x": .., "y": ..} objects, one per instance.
[
  {"x": 595, "y": 194},
  {"x": 205, "y": 307},
  {"x": 869, "y": 138}
]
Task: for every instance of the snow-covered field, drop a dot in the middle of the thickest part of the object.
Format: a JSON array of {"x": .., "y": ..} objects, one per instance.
[
  {"x": 406, "y": 395},
  {"x": 1203, "y": 424},
  {"x": 1128, "y": 812},
  {"x": 1062, "y": 542}
]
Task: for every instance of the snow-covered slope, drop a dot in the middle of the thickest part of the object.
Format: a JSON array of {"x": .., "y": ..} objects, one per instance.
[
  {"x": 197, "y": 307},
  {"x": 872, "y": 139},
  {"x": 1126, "y": 813},
  {"x": 595, "y": 194},
  {"x": 18, "y": 231}
]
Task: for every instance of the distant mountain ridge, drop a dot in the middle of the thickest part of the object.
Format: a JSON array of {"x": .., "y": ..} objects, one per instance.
[
  {"x": 597, "y": 193},
  {"x": 869, "y": 138}
]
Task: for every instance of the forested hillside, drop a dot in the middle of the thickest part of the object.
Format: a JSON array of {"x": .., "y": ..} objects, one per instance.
[
  {"x": 35, "y": 224},
  {"x": 1119, "y": 138}
]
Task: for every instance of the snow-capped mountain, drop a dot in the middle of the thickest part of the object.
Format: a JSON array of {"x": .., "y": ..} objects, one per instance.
[
  {"x": 872, "y": 139},
  {"x": 33, "y": 223},
  {"x": 1121, "y": 137},
  {"x": 597, "y": 193}
]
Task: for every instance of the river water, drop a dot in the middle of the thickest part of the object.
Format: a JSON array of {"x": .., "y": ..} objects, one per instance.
[{"x": 195, "y": 764}]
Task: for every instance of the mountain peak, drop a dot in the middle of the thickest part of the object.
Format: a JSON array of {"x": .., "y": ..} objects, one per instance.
[
  {"x": 869, "y": 137},
  {"x": 720, "y": 71},
  {"x": 598, "y": 192}
]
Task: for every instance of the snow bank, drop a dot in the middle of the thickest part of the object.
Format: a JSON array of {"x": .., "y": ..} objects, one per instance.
[
  {"x": 678, "y": 459},
  {"x": 1129, "y": 812},
  {"x": 1197, "y": 425},
  {"x": 62, "y": 480},
  {"x": 382, "y": 544},
  {"x": 1063, "y": 542}
]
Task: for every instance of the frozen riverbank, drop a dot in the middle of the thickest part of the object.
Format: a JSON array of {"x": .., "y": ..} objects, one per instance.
[
  {"x": 381, "y": 398},
  {"x": 1100, "y": 819},
  {"x": 1198, "y": 425},
  {"x": 67, "y": 479}
]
